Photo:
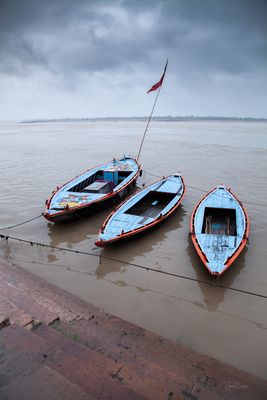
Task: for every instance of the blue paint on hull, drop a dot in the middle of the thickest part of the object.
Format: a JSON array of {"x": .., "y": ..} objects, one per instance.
[
  {"x": 143, "y": 210},
  {"x": 219, "y": 227},
  {"x": 93, "y": 189}
]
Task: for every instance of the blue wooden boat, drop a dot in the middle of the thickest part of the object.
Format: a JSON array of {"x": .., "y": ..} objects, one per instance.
[
  {"x": 143, "y": 210},
  {"x": 219, "y": 228},
  {"x": 93, "y": 189}
]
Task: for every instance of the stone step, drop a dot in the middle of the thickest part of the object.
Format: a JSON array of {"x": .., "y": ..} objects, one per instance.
[
  {"x": 21, "y": 308},
  {"x": 136, "y": 367},
  {"x": 128, "y": 370},
  {"x": 4, "y": 319},
  {"x": 88, "y": 368},
  {"x": 117, "y": 339},
  {"x": 15, "y": 338},
  {"x": 23, "y": 374},
  {"x": 135, "y": 364},
  {"x": 44, "y": 294},
  {"x": 14, "y": 314},
  {"x": 43, "y": 384},
  {"x": 103, "y": 356}
]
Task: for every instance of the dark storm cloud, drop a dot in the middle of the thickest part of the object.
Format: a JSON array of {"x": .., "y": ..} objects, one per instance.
[
  {"x": 31, "y": 29},
  {"x": 225, "y": 36},
  {"x": 65, "y": 36},
  {"x": 68, "y": 37}
]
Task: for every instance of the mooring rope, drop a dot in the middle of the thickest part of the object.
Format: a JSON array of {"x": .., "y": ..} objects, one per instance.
[
  {"x": 146, "y": 268},
  {"x": 206, "y": 191},
  {"x": 144, "y": 171},
  {"x": 21, "y": 223},
  {"x": 100, "y": 256}
]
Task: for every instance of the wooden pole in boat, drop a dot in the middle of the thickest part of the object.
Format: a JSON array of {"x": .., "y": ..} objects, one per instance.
[{"x": 154, "y": 87}]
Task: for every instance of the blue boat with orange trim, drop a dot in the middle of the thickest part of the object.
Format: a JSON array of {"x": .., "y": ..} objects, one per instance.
[
  {"x": 143, "y": 210},
  {"x": 219, "y": 229},
  {"x": 93, "y": 189}
]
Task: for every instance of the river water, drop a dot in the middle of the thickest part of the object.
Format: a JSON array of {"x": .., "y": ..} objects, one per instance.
[{"x": 228, "y": 325}]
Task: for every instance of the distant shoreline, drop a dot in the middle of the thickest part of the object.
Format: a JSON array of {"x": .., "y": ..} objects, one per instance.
[{"x": 144, "y": 118}]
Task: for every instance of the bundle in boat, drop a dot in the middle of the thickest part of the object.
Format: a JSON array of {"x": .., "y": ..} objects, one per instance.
[
  {"x": 219, "y": 229},
  {"x": 93, "y": 190},
  {"x": 143, "y": 210}
]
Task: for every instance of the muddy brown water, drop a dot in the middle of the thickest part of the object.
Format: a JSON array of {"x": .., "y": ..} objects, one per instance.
[{"x": 224, "y": 324}]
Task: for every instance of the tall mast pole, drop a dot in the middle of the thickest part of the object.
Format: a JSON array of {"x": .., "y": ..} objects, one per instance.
[
  {"x": 154, "y": 87},
  {"x": 148, "y": 122}
]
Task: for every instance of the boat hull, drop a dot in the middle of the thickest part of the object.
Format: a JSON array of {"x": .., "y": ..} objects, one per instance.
[
  {"x": 138, "y": 231},
  {"x": 219, "y": 229},
  {"x": 89, "y": 209},
  {"x": 77, "y": 205}
]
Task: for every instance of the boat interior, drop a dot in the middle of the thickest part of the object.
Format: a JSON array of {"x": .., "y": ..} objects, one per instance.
[
  {"x": 151, "y": 204},
  {"x": 102, "y": 181},
  {"x": 219, "y": 221}
]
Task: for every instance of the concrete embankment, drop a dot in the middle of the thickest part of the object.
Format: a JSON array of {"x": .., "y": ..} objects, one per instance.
[{"x": 54, "y": 346}]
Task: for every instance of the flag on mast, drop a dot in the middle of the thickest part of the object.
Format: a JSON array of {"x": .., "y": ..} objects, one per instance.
[{"x": 157, "y": 85}]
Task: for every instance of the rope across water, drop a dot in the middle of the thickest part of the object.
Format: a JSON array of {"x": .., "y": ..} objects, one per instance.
[
  {"x": 21, "y": 223},
  {"x": 147, "y": 268}
]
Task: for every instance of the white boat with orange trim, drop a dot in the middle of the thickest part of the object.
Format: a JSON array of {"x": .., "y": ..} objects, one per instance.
[
  {"x": 93, "y": 189},
  {"x": 219, "y": 229},
  {"x": 143, "y": 210}
]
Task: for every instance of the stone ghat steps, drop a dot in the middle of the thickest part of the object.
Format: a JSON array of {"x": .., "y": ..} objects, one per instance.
[
  {"x": 112, "y": 374},
  {"x": 28, "y": 360},
  {"x": 64, "y": 361},
  {"x": 140, "y": 353},
  {"x": 59, "y": 347},
  {"x": 23, "y": 373},
  {"x": 25, "y": 298}
]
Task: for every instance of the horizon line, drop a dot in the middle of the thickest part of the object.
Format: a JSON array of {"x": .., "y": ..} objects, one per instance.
[{"x": 165, "y": 117}]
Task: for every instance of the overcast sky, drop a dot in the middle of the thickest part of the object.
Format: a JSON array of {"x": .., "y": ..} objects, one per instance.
[{"x": 86, "y": 58}]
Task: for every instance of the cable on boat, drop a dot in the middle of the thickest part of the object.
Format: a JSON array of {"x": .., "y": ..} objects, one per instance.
[
  {"x": 205, "y": 191},
  {"x": 21, "y": 223},
  {"x": 101, "y": 257}
]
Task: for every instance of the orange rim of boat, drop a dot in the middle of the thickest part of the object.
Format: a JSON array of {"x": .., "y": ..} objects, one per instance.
[
  {"x": 239, "y": 249},
  {"x": 77, "y": 208},
  {"x": 143, "y": 228}
]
